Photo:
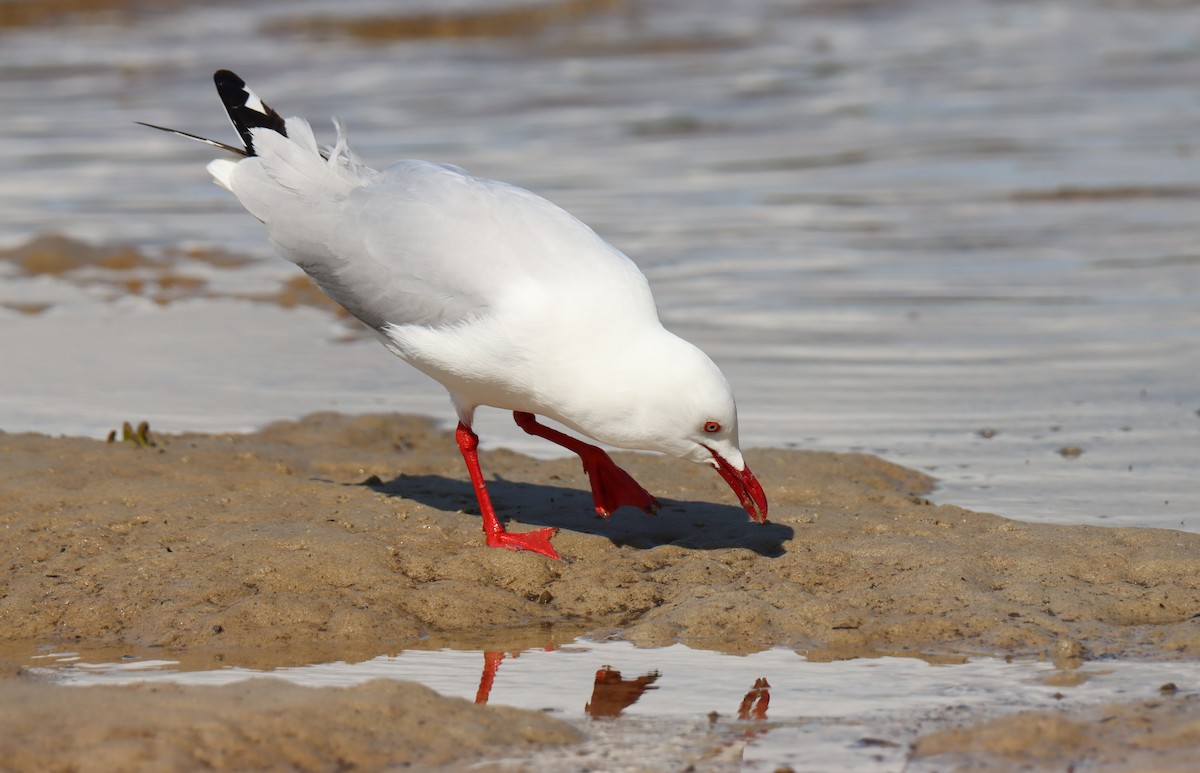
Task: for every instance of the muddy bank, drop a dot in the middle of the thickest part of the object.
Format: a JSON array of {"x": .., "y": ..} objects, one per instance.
[
  {"x": 261, "y": 724},
  {"x": 272, "y": 541},
  {"x": 1158, "y": 735},
  {"x": 339, "y": 537}
]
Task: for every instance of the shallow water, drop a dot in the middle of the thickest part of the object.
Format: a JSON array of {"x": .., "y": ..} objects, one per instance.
[{"x": 772, "y": 708}]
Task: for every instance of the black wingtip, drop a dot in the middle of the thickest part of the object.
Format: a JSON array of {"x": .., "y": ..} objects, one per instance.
[{"x": 246, "y": 110}]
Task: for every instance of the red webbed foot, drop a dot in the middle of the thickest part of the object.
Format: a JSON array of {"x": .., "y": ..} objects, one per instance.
[
  {"x": 537, "y": 541},
  {"x": 612, "y": 487}
]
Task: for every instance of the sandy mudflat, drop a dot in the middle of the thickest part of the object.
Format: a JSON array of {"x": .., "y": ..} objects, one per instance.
[
  {"x": 268, "y": 549},
  {"x": 1157, "y": 735},
  {"x": 262, "y": 724}
]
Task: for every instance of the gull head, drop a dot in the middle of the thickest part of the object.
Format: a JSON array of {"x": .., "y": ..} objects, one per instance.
[{"x": 678, "y": 402}]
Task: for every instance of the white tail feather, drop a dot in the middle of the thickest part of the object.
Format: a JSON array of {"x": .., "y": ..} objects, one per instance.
[{"x": 221, "y": 170}]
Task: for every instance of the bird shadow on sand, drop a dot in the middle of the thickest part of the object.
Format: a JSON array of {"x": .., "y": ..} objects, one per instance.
[{"x": 690, "y": 524}]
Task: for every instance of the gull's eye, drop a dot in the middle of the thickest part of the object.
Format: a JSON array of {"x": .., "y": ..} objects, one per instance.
[{"x": 712, "y": 426}]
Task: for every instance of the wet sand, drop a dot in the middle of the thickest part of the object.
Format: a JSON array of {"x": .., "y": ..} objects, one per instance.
[
  {"x": 337, "y": 537},
  {"x": 260, "y": 724},
  {"x": 1158, "y": 735}
]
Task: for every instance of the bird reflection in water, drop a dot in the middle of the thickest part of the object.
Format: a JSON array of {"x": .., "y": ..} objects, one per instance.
[{"x": 612, "y": 694}]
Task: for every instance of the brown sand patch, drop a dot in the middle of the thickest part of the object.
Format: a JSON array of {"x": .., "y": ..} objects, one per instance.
[
  {"x": 501, "y": 20},
  {"x": 28, "y": 13},
  {"x": 56, "y": 255},
  {"x": 126, "y": 271},
  {"x": 32, "y": 309},
  {"x": 1110, "y": 193},
  {"x": 212, "y": 256}
]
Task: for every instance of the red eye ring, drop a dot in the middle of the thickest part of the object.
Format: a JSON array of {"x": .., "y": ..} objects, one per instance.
[{"x": 712, "y": 426}]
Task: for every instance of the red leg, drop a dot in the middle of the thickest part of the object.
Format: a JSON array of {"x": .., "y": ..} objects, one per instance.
[
  {"x": 611, "y": 486},
  {"x": 537, "y": 541},
  {"x": 491, "y": 664}
]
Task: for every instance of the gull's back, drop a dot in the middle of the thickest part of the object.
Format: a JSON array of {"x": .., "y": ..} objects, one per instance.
[{"x": 428, "y": 244}]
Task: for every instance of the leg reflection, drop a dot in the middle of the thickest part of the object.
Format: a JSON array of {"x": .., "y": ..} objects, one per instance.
[
  {"x": 754, "y": 705},
  {"x": 491, "y": 663}
]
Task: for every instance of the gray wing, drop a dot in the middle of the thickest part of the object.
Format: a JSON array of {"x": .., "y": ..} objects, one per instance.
[{"x": 429, "y": 244}]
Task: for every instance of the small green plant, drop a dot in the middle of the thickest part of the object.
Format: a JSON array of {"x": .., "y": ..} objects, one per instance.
[{"x": 140, "y": 436}]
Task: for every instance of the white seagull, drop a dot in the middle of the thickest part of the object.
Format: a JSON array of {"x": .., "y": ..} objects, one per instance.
[{"x": 499, "y": 295}]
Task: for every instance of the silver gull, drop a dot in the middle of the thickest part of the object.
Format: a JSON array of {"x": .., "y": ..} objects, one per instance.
[{"x": 502, "y": 297}]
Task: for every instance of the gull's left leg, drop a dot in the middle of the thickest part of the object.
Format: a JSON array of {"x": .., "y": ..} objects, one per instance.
[
  {"x": 497, "y": 537},
  {"x": 612, "y": 487}
]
